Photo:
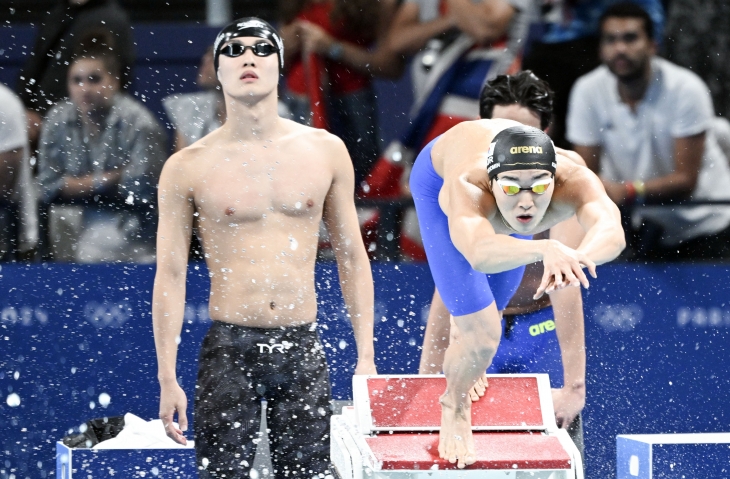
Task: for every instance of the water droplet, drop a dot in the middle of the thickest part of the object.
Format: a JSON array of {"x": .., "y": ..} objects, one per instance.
[
  {"x": 13, "y": 400},
  {"x": 104, "y": 400}
]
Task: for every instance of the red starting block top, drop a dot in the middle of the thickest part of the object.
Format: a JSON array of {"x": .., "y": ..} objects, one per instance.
[
  {"x": 494, "y": 450},
  {"x": 412, "y": 403}
]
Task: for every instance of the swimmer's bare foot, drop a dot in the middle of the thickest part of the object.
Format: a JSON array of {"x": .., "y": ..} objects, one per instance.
[
  {"x": 480, "y": 387},
  {"x": 456, "y": 443}
]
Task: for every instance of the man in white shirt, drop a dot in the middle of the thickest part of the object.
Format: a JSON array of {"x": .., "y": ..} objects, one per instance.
[
  {"x": 644, "y": 124},
  {"x": 18, "y": 215}
]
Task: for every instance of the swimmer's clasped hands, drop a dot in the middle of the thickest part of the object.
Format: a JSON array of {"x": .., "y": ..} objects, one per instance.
[{"x": 563, "y": 267}]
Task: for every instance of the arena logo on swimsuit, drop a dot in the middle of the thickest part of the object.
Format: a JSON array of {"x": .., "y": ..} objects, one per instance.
[
  {"x": 545, "y": 326},
  {"x": 515, "y": 150}
]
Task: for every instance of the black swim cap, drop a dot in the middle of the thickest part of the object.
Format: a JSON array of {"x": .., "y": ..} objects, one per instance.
[
  {"x": 248, "y": 27},
  {"x": 520, "y": 148}
]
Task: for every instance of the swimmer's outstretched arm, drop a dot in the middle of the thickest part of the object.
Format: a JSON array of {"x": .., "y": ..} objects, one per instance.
[
  {"x": 599, "y": 217},
  {"x": 356, "y": 278},
  {"x": 168, "y": 298},
  {"x": 486, "y": 251}
]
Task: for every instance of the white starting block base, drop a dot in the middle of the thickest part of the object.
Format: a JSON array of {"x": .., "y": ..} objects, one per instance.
[
  {"x": 392, "y": 431},
  {"x": 670, "y": 456},
  {"x": 177, "y": 463}
]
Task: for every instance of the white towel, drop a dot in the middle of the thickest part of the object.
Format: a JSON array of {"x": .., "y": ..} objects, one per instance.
[{"x": 141, "y": 434}]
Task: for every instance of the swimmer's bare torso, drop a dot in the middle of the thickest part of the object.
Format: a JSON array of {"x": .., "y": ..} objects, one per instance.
[
  {"x": 258, "y": 208},
  {"x": 462, "y": 153}
]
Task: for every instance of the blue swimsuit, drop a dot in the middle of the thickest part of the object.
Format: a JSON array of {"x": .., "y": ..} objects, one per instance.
[{"x": 463, "y": 289}]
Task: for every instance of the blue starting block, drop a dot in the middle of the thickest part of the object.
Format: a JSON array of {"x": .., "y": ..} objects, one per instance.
[
  {"x": 125, "y": 463},
  {"x": 669, "y": 456}
]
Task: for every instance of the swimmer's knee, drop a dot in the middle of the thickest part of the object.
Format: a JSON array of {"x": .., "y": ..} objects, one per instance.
[
  {"x": 485, "y": 323},
  {"x": 480, "y": 344},
  {"x": 486, "y": 350}
]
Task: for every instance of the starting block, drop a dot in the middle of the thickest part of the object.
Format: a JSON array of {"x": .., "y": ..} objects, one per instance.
[{"x": 391, "y": 431}]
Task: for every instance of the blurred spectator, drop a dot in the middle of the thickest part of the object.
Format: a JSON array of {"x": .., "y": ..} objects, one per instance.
[
  {"x": 18, "y": 213},
  {"x": 43, "y": 79},
  {"x": 477, "y": 41},
  {"x": 698, "y": 38},
  {"x": 721, "y": 129},
  {"x": 347, "y": 38},
  {"x": 646, "y": 126},
  {"x": 565, "y": 46},
  {"x": 194, "y": 115},
  {"x": 104, "y": 150},
  {"x": 458, "y": 45}
]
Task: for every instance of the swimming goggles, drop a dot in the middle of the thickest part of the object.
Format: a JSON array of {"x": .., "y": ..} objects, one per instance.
[
  {"x": 511, "y": 188},
  {"x": 261, "y": 49}
]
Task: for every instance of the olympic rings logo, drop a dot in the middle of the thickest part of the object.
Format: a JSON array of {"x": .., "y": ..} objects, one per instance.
[
  {"x": 703, "y": 317},
  {"x": 618, "y": 317},
  {"x": 25, "y": 315},
  {"x": 103, "y": 315}
]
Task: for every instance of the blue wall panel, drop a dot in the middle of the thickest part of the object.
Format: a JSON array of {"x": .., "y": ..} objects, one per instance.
[{"x": 658, "y": 341}]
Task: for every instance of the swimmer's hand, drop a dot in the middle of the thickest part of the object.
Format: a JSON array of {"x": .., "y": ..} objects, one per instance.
[
  {"x": 172, "y": 399},
  {"x": 568, "y": 403},
  {"x": 563, "y": 267},
  {"x": 479, "y": 388},
  {"x": 365, "y": 367}
]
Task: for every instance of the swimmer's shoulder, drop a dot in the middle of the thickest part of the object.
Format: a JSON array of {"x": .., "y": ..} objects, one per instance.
[
  {"x": 574, "y": 181},
  {"x": 470, "y": 135},
  {"x": 484, "y": 129},
  {"x": 571, "y": 155},
  {"x": 185, "y": 165},
  {"x": 321, "y": 143},
  {"x": 293, "y": 131},
  {"x": 465, "y": 145}
]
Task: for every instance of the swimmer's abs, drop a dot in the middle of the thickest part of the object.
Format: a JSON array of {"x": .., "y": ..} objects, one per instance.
[
  {"x": 264, "y": 307},
  {"x": 262, "y": 292}
]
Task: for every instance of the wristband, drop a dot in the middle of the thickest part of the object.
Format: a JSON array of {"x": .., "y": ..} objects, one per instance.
[{"x": 640, "y": 190}]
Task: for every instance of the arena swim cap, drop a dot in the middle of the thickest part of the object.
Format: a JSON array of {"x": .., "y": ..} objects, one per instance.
[
  {"x": 248, "y": 27},
  {"x": 520, "y": 148}
]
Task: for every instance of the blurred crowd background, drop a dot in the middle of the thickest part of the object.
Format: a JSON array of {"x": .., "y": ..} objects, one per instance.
[{"x": 86, "y": 123}]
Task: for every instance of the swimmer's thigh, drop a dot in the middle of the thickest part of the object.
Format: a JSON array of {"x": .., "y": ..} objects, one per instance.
[
  {"x": 298, "y": 413},
  {"x": 227, "y": 409},
  {"x": 463, "y": 290}
]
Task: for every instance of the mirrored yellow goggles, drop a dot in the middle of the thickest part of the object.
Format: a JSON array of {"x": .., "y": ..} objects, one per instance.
[{"x": 511, "y": 188}]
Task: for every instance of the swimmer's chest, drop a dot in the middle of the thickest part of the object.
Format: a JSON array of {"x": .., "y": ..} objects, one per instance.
[{"x": 250, "y": 190}]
